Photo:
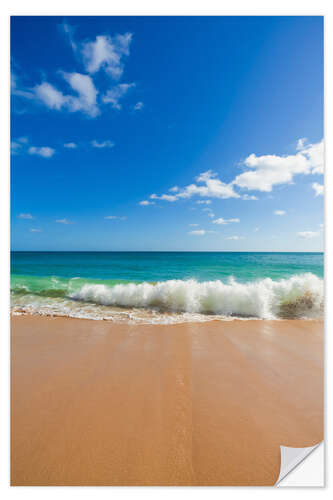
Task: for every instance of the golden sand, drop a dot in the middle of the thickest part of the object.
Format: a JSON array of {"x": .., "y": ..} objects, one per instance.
[{"x": 98, "y": 403}]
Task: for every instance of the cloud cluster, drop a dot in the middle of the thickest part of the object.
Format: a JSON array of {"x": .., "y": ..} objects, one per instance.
[
  {"x": 84, "y": 99},
  {"x": 262, "y": 174},
  {"x": 104, "y": 53},
  {"x": 21, "y": 146},
  {"x": 267, "y": 171}
]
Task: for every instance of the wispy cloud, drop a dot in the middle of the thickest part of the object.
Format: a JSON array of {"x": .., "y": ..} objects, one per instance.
[
  {"x": 194, "y": 225},
  {"x": 308, "y": 234},
  {"x": 235, "y": 237},
  {"x": 114, "y": 95},
  {"x": 197, "y": 232},
  {"x": 35, "y": 230},
  {"x": 44, "y": 151},
  {"x": 18, "y": 146},
  {"x": 70, "y": 145},
  {"x": 64, "y": 221},
  {"x": 220, "y": 220},
  {"x": 204, "y": 202},
  {"x": 69, "y": 30},
  {"x": 138, "y": 106},
  {"x": 318, "y": 188},
  {"x": 200, "y": 232},
  {"x": 25, "y": 216},
  {"x": 145, "y": 203},
  {"x": 279, "y": 212},
  {"x": 115, "y": 217},
  {"x": 167, "y": 197},
  {"x": 103, "y": 144}
]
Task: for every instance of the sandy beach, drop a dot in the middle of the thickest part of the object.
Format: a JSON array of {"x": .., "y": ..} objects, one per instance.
[{"x": 99, "y": 403}]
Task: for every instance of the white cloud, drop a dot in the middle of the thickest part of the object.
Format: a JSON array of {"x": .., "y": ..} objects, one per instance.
[
  {"x": 43, "y": 151},
  {"x": 114, "y": 95},
  {"x": 50, "y": 96},
  {"x": 174, "y": 189},
  {"x": 279, "y": 212},
  {"x": 101, "y": 145},
  {"x": 235, "y": 238},
  {"x": 85, "y": 101},
  {"x": 64, "y": 221},
  {"x": 222, "y": 221},
  {"x": 308, "y": 234},
  {"x": 15, "y": 147},
  {"x": 267, "y": 171},
  {"x": 145, "y": 203},
  {"x": 84, "y": 86},
  {"x": 138, "y": 106},
  {"x": 301, "y": 144},
  {"x": 106, "y": 53},
  {"x": 256, "y": 229},
  {"x": 34, "y": 230},
  {"x": 18, "y": 145},
  {"x": 70, "y": 145},
  {"x": 69, "y": 32},
  {"x": 249, "y": 197},
  {"x": 318, "y": 188},
  {"x": 194, "y": 225},
  {"x": 115, "y": 217},
  {"x": 167, "y": 197},
  {"x": 25, "y": 216},
  {"x": 197, "y": 232},
  {"x": 208, "y": 186},
  {"x": 204, "y": 202}
]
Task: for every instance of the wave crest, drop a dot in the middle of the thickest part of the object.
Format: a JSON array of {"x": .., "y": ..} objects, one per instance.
[{"x": 298, "y": 296}]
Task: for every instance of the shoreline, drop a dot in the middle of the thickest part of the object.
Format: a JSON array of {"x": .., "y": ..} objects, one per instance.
[{"x": 105, "y": 403}]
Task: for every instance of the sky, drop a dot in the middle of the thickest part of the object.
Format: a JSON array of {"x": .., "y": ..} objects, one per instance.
[{"x": 167, "y": 133}]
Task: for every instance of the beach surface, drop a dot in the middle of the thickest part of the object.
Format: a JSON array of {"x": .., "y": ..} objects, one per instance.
[{"x": 99, "y": 403}]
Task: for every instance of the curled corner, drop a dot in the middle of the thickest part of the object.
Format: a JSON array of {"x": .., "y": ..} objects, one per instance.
[{"x": 291, "y": 457}]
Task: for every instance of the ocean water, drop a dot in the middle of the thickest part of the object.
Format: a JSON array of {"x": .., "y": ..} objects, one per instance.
[{"x": 168, "y": 287}]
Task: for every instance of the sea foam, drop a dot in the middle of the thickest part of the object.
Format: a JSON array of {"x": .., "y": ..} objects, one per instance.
[{"x": 295, "y": 297}]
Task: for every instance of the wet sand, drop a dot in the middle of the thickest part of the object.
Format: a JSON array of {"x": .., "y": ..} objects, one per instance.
[{"x": 98, "y": 403}]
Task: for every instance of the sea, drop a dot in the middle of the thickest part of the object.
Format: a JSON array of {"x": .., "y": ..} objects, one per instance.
[{"x": 168, "y": 287}]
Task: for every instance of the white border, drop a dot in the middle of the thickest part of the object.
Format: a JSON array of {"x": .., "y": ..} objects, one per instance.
[{"x": 141, "y": 7}]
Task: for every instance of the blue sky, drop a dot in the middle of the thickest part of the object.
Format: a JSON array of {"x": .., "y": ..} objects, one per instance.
[{"x": 166, "y": 133}]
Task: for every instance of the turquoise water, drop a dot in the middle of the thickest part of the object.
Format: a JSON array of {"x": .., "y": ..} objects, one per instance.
[{"x": 167, "y": 286}]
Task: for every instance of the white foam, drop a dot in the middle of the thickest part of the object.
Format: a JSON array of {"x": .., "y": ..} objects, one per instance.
[{"x": 298, "y": 296}]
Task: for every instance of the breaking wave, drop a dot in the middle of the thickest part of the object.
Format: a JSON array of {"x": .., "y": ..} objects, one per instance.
[{"x": 300, "y": 296}]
